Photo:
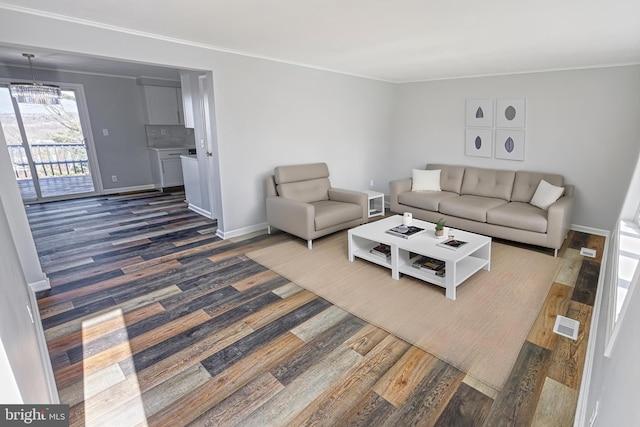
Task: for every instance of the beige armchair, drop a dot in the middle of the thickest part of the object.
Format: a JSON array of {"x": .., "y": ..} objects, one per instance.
[{"x": 301, "y": 201}]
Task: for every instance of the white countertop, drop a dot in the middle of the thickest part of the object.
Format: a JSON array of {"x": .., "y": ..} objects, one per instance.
[{"x": 170, "y": 148}]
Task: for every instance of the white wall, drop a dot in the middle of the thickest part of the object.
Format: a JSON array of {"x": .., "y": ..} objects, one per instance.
[
  {"x": 272, "y": 114},
  {"x": 20, "y": 354},
  {"x": 582, "y": 124},
  {"x": 615, "y": 378},
  {"x": 267, "y": 113},
  {"x": 17, "y": 218}
]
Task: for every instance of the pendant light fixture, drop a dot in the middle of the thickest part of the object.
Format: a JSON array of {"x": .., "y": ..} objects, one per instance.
[{"x": 35, "y": 93}]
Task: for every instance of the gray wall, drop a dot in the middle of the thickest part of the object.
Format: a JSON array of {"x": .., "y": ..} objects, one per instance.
[
  {"x": 582, "y": 124},
  {"x": 115, "y": 104}
]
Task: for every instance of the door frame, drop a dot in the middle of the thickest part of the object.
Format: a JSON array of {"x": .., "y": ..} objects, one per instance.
[
  {"x": 83, "y": 113},
  {"x": 205, "y": 90}
]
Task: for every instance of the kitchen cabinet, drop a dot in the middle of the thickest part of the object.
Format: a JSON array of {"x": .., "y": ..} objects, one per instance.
[
  {"x": 163, "y": 105},
  {"x": 166, "y": 166},
  {"x": 187, "y": 99}
]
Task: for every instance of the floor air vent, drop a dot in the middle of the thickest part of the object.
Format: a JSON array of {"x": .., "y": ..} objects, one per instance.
[
  {"x": 591, "y": 253},
  {"x": 567, "y": 327}
]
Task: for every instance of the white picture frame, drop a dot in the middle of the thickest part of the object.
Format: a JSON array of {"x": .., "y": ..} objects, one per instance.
[
  {"x": 510, "y": 144},
  {"x": 479, "y": 112},
  {"x": 478, "y": 142},
  {"x": 510, "y": 113}
]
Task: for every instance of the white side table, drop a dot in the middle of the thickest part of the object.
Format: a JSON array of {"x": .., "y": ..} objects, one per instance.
[{"x": 376, "y": 203}]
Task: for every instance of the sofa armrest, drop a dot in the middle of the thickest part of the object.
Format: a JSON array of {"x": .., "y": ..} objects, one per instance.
[
  {"x": 559, "y": 220},
  {"x": 397, "y": 187},
  {"x": 292, "y": 216},
  {"x": 350, "y": 196}
]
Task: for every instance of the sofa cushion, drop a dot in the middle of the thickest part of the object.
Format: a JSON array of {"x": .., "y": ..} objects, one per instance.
[
  {"x": 425, "y": 180},
  {"x": 330, "y": 213},
  {"x": 470, "y": 207},
  {"x": 450, "y": 177},
  {"x": 546, "y": 195},
  {"x": 519, "y": 215},
  {"x": 429, "y": 200},
  {"x": 526, "y": 183},
  {"x": 488, "y": 183}
]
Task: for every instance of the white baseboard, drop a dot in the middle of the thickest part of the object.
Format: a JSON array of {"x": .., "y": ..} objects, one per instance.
[
  {"x": 241, "y": 231},
  {"x": 40, "y": 285},
  {"x": 590, "y": 230},
  {"x": 44, "y": 350},
  {"x": 582, "y": 408},
  {"x": 129, "y": 189},
  {"x": 200, "y": 211}
]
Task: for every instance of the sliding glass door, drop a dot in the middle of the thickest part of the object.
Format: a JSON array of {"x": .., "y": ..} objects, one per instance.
[{"x": 47, "y": 147}]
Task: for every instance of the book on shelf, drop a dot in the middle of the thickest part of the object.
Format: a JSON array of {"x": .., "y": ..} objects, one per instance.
[
  {"x": 405, "y": 231},
  {"x": 382, "y": 250},
  {"x": 452, "y": 244},
  {"x": 430, "y": 265}
]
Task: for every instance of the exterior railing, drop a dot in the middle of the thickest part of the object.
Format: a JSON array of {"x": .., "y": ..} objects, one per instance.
[{"x": 50, "y": 160}]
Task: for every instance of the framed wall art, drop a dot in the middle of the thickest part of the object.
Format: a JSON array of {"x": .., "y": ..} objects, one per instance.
[
  {"x": 509, "y": 144},
  {"x": 510, "y": 113},
  {"x": 478, "y": 142},
  {"x": 479, "y": 112}
]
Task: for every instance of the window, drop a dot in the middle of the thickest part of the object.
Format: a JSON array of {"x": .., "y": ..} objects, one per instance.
[{"x": 624, "y": 273}]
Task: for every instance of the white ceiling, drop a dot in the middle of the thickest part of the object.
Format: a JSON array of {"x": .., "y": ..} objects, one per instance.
[{"x": 392, "y": 40}]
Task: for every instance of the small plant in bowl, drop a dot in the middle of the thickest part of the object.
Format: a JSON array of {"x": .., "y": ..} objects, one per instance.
[{"x": 440, "y": 227}]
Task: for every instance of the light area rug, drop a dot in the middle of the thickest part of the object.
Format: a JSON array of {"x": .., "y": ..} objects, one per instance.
[{"x": 480, "y": 333}]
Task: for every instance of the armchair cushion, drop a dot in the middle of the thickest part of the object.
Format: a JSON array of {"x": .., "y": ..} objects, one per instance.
[
  {"x": 313, "y": 190},
  {"x": 304, "y": 183},
  {"x": 329, "y": 213}
]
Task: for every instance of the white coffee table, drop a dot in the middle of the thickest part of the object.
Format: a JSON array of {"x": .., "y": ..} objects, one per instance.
[{"x": 461, "y": 263}]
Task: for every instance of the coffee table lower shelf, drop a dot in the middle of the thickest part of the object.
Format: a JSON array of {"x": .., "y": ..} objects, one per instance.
[{"x": 458, "y": 269}]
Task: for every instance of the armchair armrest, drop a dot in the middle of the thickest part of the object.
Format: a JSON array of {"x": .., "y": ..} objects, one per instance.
[
  {"x": 397, "y": 187},
  {"x": 350, "y": 196},
  {"x": 292, "y": 216}
]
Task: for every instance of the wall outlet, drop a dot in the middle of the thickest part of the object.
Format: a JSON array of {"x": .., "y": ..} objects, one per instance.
[
  {"x": 163, "y": 131},
  {"x": 371, "y": 183},
  {"x": 105, "y": 132},
  {"x": 114, "y": 178}
]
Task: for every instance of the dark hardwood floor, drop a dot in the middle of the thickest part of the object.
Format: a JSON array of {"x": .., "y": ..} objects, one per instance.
[{"x": 153, "y": 320}]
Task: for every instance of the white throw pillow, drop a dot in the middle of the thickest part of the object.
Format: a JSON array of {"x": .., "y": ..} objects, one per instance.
[
  {"x": 426, "y": 180},
  {"x": 546, "y": 195}
]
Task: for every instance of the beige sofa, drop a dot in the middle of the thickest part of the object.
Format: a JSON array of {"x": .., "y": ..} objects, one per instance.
[
  {"x": 301, "y": 201},
  {"x": 492, "y": 202}
]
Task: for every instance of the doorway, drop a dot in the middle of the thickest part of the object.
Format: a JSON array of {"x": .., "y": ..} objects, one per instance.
[{"x": 47, "y": 146}]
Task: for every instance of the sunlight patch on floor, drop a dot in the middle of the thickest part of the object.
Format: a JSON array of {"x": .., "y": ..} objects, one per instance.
[{"x": 110, "y": 370}]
